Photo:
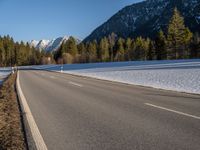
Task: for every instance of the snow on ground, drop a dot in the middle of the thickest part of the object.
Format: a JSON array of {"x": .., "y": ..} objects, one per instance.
[
  {"x": 4, "y": 72},
  {"x": 178, "y": 75}
]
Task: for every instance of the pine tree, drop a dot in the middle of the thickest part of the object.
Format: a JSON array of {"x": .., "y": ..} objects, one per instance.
[
  {"x": 82, "y": 52},
  {"x": 128, "y": 49},
  {"x": 132, "y": 51},
  {"x": 112, "y": 38},
  {"x": 2, "y": 53},
  {"x": 22, "y": 54},
  {"x": 146, "y": 44},
  {"x": 160, "y": 46},
  {"x": 71, "y": 46},
  {"x": 176, "y": 36},
  {"x": 104, "y": 50},
  {"x": 16, "y": 52},
  {"x": 120, "y": 55},
  {"x": 141, "y": 47},
  {"x": 59, "y": 53},
  {"x": 195, "y": 46},
  {"x": 138, "y": 50},
  {"x": 92, "y": 52},
  {"x": 187, "y": 40},
  {"x": 151, "y": 51}
]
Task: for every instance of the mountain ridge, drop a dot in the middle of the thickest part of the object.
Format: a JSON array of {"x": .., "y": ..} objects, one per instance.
[
  {"x": 50, "y": 45},
  {"x": 146, "y": 18}
]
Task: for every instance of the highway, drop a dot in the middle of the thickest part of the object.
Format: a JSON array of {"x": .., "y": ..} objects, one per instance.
[{"x": 78, "y": 113}]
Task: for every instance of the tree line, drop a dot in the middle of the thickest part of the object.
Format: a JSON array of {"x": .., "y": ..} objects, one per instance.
[
  {"x": 20, "y": 54},
  {"x": 177, "y": 43}
]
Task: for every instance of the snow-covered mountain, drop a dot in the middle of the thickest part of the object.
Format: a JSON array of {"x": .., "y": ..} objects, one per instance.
[
  {"x": 54, "y": 44},
  {"x": 146, "y": 18},
  {"x": 42, "y": 44},
  {"x": 49, "y": 45},
  {"x": 34, "y": 43}
]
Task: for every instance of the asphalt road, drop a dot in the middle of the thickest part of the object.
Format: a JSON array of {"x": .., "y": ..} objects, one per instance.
[{"x": 77, "y": 113}]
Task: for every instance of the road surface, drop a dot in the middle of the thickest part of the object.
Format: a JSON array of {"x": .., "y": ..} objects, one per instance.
[{"x": 77, "y": 113}]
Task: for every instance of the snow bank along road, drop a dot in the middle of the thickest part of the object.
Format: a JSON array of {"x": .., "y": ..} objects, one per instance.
[
  {"x": 177, "y": 75},
  {"x": 78, "y": 113},
  {"x": 4, "y": 72}
]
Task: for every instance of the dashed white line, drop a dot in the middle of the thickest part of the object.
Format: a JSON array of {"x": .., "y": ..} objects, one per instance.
[
  {"x": 174, "y": 111},
  {"x": 76, "y": 84}
]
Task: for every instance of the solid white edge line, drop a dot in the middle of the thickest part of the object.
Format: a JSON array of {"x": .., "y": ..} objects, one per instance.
[
  {"x": 37, "y": 137},
  {"x": 174, "y": 111},
  {"x": 76, "y": 84}
]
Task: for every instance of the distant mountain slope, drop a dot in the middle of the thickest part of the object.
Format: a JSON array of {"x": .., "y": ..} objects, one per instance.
[
  {"x": 56, "y": 43},
  {"x": 34, "y": 43},
  {"x": 147, "y": 17}
]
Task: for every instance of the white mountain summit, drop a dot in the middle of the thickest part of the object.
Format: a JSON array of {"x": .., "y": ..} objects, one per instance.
[
  {"x": 34, "y": 43},
  {"x": 49, "y": 45}
]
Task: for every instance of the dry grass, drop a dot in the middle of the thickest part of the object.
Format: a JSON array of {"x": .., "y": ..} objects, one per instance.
[{"x": 11, "y": 133}]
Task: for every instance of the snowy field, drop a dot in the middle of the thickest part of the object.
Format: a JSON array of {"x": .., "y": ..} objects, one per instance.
[
  {"x": 4, "y": 72},
  {"x": 178, "y": 75}
]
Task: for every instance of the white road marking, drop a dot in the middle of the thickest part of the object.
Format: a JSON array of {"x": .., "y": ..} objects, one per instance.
[
  {"x": 37, "y": 137},
  {"x": 76, "y": 84},
  {"x": 174, "y": 111}
]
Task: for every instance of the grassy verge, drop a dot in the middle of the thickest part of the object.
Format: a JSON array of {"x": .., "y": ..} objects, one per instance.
[{"x": 11, "y": 133}]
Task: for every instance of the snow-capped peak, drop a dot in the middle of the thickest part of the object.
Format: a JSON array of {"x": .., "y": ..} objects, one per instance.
[
  {"x": 34, "y": 43},
  {"x": 49, "y": 45},
  {"x": 56, "y": 43},
  {"x": 42, "y": 44}
]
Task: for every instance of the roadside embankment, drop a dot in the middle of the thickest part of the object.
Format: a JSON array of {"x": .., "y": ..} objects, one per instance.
[{"x": 11, "y": 130}]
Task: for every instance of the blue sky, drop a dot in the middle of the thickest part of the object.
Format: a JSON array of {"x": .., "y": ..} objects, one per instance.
[{"x": 47, "y": 19}]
